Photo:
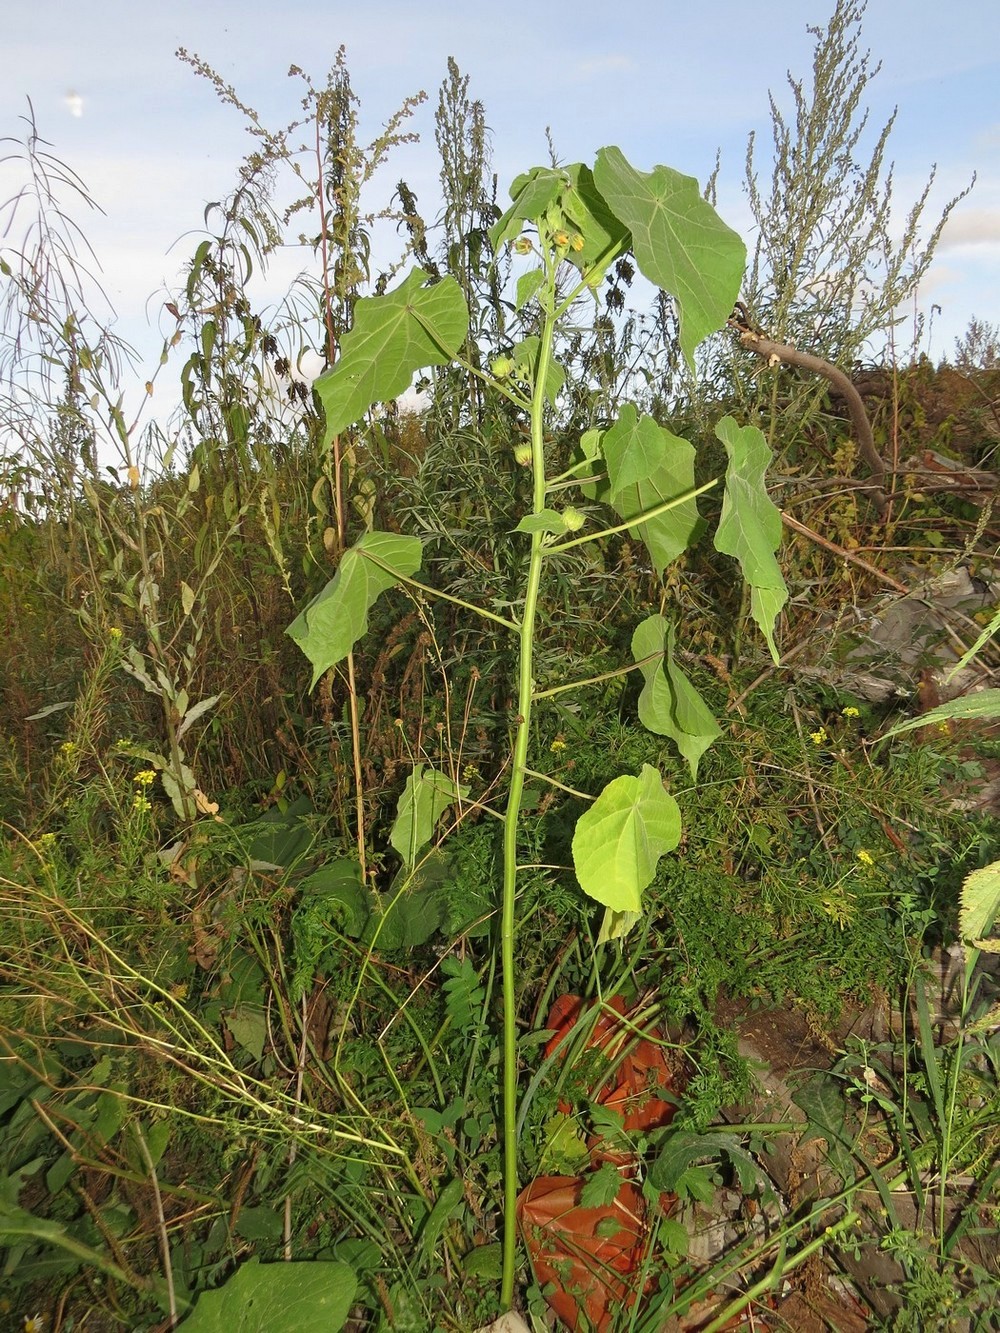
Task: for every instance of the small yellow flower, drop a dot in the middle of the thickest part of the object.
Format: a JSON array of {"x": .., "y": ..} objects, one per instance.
[
  {"x": 522, "y": 245},
  {"x": 850, "y": 712},
  {"x": 140, "y": 803},
  {"x": 558, "y": 745},
  {"x": 46, "y": 840},
  {"x": 146, "y": 777},
  {"x": 34, "y": 1323},
  {"x": 68, "y": 748},
  {"x": 818, "y": 737},
  {"x": 865, "y": 857},
  {"x": 577, "y": 243},
  {"x": 560, "y": 240},
  {"x": 114, "y": 633}
]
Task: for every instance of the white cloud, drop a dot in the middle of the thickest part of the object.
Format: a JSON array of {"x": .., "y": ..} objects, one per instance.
[
  {"x": 74, "y": 104},
  {"x": 972, "y": 227}
]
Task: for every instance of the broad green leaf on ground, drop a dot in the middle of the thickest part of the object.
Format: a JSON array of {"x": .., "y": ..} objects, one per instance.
[
  {"x": 393, "y": 336},
  {"x": 532, "y": 193},
  {"x": 424, "y": 799},
  {"x": 525, "y": 356},
  {"x": 980, "y": 910},
  {"x": 679, "y": 241},
  {"x": 337, "y": 617},
  {"x": 314, "y": 1297},
  {"x": 669, "y": 704},
  {"x": 669, "y": 533},
  {"x": 618, "y": 841},
  {"x": 750, "y": 524},
  {"x": 416, "y": 905},
  {"x": 984, "y": 705}
]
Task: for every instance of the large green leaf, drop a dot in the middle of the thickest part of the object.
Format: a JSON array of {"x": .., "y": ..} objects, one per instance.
[
  {"x": 425, "y": 798},
  {"x": 634, "y": 446},
  {"x": 393, "y": 336},
  {"x": 679, "y": 241},
  {"x": 750, "y": 524},
  {"x": 669, "y": 704},
  {"x": 337, "y": 617},
  {"x": 618, "y": 841},
  {"x": 314, "y": 1297}
]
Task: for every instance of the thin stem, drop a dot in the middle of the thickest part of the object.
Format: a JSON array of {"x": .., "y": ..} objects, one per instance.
[
  {"x": 635, "y": 522},
  {"x": 526, "y": 633},
  {"x": 444, "y": 596},
  {"x": 161, "y": 1223},
  {"x": 596, "y": 680}
]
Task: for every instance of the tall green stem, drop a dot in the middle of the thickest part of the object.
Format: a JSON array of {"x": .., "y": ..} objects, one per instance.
[{"x": 526, "y": 637}]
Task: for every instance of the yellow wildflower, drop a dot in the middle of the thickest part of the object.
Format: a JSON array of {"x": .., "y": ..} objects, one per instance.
[
  {"x": 818, "y": 737},
  {"x": 146, "y": 777},
  {"x": 865, "y": 857},
  {"x": 850, "y": 712}
]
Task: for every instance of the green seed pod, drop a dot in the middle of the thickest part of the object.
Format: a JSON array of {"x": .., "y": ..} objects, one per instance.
[
  {"x": 522, "y": 454},
  {"x": 502, "y": 367},
  {"x": 573, "y": 519}
]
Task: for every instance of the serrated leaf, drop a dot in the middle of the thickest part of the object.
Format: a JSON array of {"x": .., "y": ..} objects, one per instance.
[
  {"x": 750, "y": 524},
  {"x": 669, "y": 704},
  {"x": 546, "y": 520},
  {"x": 393, "y": 336},
  {"x": 669, "y": 533},
  {"x": 337, "y": 617},
  {"x": 619, "y": 840},
  {"x": 601, "y": 1187},
  {"x": 484, "y": 1261},
  {"x": 424, "y": 799},
  {"x": 313, "y": 1297},
  {"x": 679, "y": 241},
  {"x": 980, "y": 905}
]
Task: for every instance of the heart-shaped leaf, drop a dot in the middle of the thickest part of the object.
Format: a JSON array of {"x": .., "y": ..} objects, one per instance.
[
  {"x": 337, "y": 617},
  {"x": 393, "y": 336},
  {"x": 679, "y": 241},
  {"x": 619, "y": 840}
]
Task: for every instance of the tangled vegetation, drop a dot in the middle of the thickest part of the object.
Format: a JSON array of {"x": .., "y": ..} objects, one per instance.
[{"x": 408, "y": 816}]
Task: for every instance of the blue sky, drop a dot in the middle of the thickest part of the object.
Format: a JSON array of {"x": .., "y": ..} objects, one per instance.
[{"x": 665, "y": 82}]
